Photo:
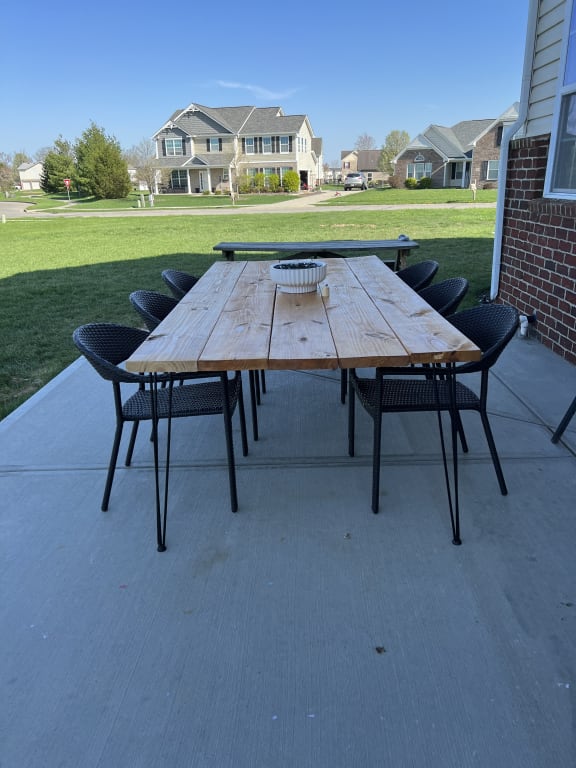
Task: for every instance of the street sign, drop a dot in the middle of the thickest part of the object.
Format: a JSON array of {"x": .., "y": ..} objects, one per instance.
[{"x": 67, "y": 183}]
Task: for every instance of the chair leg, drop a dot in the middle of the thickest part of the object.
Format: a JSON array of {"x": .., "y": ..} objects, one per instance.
[
  {"x": 263, "y": 381},
  {"x": 252, "y": 375},
  {"x": 242, "y": 415},
  {"x": 229, "y": 443},
  {"x": 565, "y": 421},
  {"x": 376, "y": 461},
  {"x": 351, "y": 421},
  {"x": 343, "y": 385},
  {"x": 493, "y": 452},
  {"x": 112, "y": 466},
  {"x": 132, "y": 442}
]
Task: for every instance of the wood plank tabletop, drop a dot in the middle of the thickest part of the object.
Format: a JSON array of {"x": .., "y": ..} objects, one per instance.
[{"x": 235, "y": 318}]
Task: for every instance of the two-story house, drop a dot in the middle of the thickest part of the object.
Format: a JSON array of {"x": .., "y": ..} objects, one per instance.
[
  {"x": 203, "y": 149},
  {"x": 458, "y": 155},
  {"x": 366, "y": 161}
]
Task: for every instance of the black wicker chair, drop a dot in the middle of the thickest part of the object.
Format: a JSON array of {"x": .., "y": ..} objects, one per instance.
[
  {"x": 179, "y": 282},
  {"x": 490, "y": 327},
  {"x": 152, "y": 306},
  {"x": 445, "y": 297},
  {"x": 419, "y": 275},
  {"x": 106, "y": 346}
]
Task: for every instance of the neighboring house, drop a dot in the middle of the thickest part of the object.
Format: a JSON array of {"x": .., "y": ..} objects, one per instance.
[
  {"x": 365, "y": 161},
  {"x": 454, "y": 157},
  {"x": 534, "y": 263},
  {"x": 204, "y": 148},
  {"x": 30, "y": 175}
]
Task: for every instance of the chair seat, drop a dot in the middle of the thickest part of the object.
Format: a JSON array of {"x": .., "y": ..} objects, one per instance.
[
  {"x": 399, "y": 395},
  {"x": 203, "y": 399}
]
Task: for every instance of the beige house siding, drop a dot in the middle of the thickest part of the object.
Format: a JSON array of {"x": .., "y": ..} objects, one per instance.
[{"x": 545, "y": 67}]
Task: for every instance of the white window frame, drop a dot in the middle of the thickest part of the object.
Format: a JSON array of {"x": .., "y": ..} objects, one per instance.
[
  {"x": 266, "y": 145},
  {"x": 175, "y": 143},
  {"x": 419, "y": 173},
  {"x": 564, "y": 113},
  {"x": 492, "y": 170},
  {"x": 249, "y": 145},
  {"x": 284, "y": 145},
  {"x": 214, "y": 144}
]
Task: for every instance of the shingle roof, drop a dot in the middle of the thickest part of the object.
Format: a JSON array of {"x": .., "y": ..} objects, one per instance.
[{"x": 458, "y": 140}]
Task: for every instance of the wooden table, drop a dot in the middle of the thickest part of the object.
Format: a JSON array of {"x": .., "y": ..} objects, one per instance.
[
  {"x": 400, "y": 247},
  {"x": 235, "y": 318}
]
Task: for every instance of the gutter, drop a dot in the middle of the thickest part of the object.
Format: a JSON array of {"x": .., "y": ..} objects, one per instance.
[{"x": 507, "y": 137}]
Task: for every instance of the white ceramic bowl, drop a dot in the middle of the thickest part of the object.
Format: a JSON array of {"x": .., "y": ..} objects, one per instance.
[{"x": 298, "y": 276}]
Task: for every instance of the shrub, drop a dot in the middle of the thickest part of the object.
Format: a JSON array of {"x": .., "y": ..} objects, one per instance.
[
  {"x": 425, "y": 183},
  {"x": 411, "y": 183},
  {"x": 259, "y": 181},
  {"x": 273, "y": 182},
  {"x": 291, "y": 181},
  {"x": 395, "y": 182}
]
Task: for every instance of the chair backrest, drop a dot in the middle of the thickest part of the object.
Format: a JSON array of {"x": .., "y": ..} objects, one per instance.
[
  {"x": 419, "y": 275},
  {"x": 106, "y": 345},
  {"x": 445, "y": 296},
  {"x": 178, "y": 282},
  {"x": 152, "y": 306},
  {"x": 490, "y": 327}
]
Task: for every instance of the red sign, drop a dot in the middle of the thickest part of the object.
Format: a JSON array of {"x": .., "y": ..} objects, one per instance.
[{"x": 67, "y": 183}]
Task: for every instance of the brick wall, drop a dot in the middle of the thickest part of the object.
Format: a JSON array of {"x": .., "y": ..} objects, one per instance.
[
  {"x": 401, "y": 168},
  {"x": 486, "y": 149},
  {"x": 538, "y": 268}
]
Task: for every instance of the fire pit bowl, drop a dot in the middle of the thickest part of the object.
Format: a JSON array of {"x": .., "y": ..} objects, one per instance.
[{"x": 298, "y": 276}]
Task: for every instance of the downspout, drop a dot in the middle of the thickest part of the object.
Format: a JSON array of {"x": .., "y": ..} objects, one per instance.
[{"x": 504, "y": 148}]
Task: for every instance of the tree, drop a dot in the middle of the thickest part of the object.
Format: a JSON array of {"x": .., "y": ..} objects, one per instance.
[
  {"x": 394, "y": 143},
  {"x": 142, "y": 157},
  {"x": 58, "y": 164},
  {"x": 365, "y": 142},
  {"x": 5, "y": 172},
  {"x": 101, "y": 170}
]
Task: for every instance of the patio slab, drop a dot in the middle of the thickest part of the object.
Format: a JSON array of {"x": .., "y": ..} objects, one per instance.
[{"x": 303, "y": 631}]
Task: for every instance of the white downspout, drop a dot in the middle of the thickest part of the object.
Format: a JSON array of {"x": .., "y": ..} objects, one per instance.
[{"x": 506, "y": 139}]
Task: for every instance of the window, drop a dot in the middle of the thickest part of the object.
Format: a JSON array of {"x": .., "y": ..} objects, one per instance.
[
  {"x": 173, "y": 147},
  {"x": 249, "y": 145},
  {"x": 419, "y": 170},
  {"x": 561, "y": 170},
  {"x": 267, "y": 144},
  {"x": 214, "y": 145},
  {"x": 492, "y": 170},
  {"x": 179, "y": 180}
]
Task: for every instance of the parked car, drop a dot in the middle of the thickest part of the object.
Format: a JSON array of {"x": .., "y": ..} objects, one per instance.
[{"x": 355, "y": 181}]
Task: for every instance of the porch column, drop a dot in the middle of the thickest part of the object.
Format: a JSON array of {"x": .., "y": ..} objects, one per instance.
[{"x": 188, "y": 185}]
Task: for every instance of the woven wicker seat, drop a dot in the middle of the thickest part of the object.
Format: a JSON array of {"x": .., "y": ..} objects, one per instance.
[
  {"x": 445, "y": 296},
  {"x": 419, "y": 275},
  {"x": 179, "y": 282},
  {"x": 106, "y": 346},
  {"x": 490, "y": 327}
]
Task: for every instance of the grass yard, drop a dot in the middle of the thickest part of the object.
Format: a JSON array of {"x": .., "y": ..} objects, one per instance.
[{"x": 56, "y": 274}]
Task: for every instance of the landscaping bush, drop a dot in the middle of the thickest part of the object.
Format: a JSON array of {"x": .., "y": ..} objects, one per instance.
[
  {"x": 425, "y": 183},
  {"x": 395, "y": 182},
  {"x": 291, "y": 181},
  {"x": 273, "y": 182},
  {"x": 411, "y": 183}
]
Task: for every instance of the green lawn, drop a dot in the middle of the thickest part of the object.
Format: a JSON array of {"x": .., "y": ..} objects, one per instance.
[
  {"x": 56, "y": 274},
  {"x": 389, "y": 196}
]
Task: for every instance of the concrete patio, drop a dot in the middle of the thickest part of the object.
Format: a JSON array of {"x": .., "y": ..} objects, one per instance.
[{"x": 303, "y": 631}]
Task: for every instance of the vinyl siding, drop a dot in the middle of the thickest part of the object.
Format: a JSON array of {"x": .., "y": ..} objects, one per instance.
[{"x": 545, "y": 67}]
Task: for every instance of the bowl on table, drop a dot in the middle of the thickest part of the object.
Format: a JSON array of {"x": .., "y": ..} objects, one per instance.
[{"x": 298, "y": 276}]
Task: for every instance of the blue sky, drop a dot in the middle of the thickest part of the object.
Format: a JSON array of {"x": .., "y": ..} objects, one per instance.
[{"x": 128, "y": 66}]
